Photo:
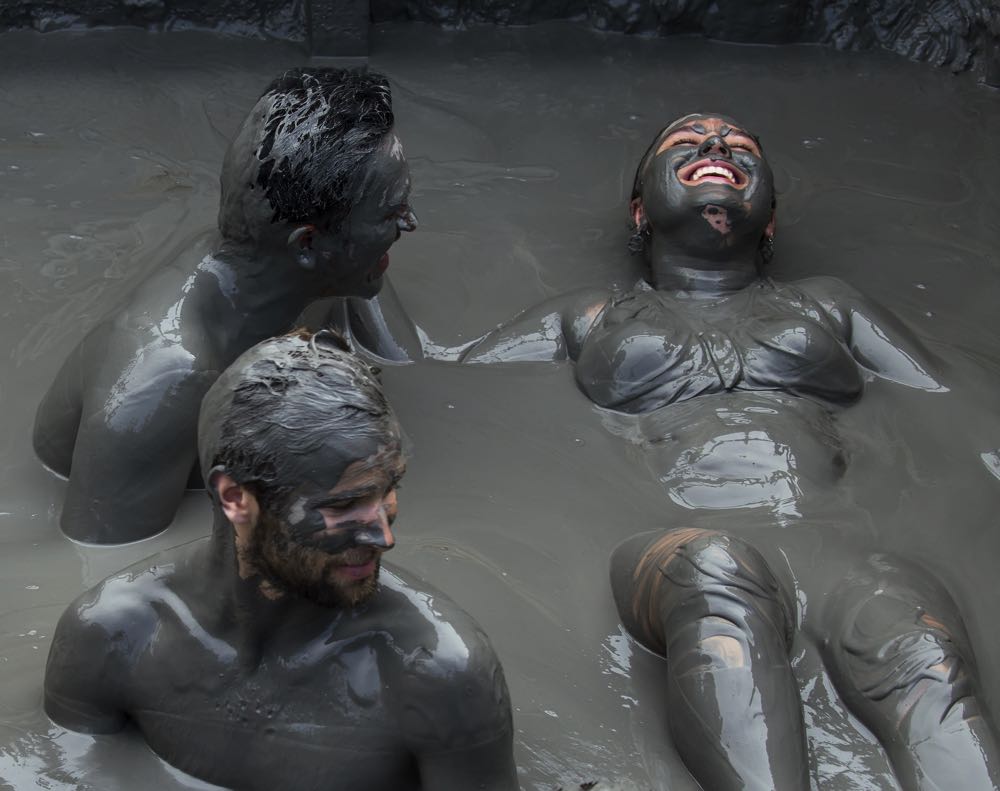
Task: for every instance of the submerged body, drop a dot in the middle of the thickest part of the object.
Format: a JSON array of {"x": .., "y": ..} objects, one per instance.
[
  {"x": 404, "y": 692},
  {"x": 271, "y": 655},
  {"x": 731, "y": 384},
  {"x": 314, "y": 192}
]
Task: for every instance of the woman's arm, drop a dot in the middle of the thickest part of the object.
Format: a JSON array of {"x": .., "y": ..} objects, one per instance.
[
  {"x": 552, "y": 330},
  {"x": 879, "y": 340}
]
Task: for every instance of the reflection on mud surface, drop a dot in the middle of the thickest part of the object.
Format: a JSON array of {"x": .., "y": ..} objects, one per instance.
[{"x": 523, "y": 145}]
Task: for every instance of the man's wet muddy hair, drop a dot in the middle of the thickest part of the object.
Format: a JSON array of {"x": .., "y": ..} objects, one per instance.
[
  {"x": 311, "y": 134},
  {"x": 285, "y": 398},
  {"x": 638, "y": 242}
]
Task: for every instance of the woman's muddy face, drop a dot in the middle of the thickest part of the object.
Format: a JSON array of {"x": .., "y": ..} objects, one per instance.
[{"x": 708, "y": 185}]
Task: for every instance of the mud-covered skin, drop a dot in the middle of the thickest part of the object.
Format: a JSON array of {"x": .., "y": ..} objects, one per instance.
[
  {"x": 121, "y": 417},
  {"x": 733, "y": 380},
  {"x": 712, "y": 322},
  {"x": 405, "y": 692},
  {"x": 710, "y": 604},
  {"x": 278, "y": 653},
  {"x": 892, "y": 639},
  {"x": 900, "y": 657},
  {"x": 712, "y": 327}
]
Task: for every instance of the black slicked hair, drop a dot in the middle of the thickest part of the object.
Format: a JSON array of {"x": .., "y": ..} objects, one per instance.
[
  {"x": 311, "y": 134},
  {"x": 284, "y": 398}
]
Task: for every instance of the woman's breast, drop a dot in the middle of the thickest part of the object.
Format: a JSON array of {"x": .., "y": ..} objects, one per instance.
[{"x": 647, "y": 353}]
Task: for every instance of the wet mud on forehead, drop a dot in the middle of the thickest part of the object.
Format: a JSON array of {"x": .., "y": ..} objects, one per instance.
[{"x": 522, "y": 145}]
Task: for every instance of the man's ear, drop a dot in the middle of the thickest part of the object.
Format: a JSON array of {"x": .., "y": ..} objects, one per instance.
[
  {"x": 769, "y": 230},
  {"x": 637, "y": 212},
  {"x": 301, "y": 237},
  {"x": 300, "y": 245},
  {"x": 238, "y": 503}
]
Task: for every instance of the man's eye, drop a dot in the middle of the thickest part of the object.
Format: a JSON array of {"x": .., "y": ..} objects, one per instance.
[
  {"x": 685, "y": 141},
  {"x": 335, "y": 509}
]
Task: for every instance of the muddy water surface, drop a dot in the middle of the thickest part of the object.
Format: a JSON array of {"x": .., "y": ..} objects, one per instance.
[{"x": 522, "y": 145}]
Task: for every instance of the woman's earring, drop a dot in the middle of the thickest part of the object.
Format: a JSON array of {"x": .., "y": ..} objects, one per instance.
[{"x": 767, "y": 249}]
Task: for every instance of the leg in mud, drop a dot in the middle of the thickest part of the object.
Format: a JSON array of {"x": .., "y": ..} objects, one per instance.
[
  {"x": 900, "y": 657},
  {"x": 710, "y": 604}
]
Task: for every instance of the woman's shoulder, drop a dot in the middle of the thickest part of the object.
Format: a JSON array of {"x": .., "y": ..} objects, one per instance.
[{"x": 824, "y": 298}]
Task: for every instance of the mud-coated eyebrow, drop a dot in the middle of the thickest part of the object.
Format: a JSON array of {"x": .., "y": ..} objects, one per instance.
[
  {"x": 357, "y": 493},
  {"x": 696, "y": 128},
  {"x": 346, "y": 496}
]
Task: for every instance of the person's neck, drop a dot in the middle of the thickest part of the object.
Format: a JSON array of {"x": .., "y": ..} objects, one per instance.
[
  {"x": 258, "y": 615},
  {"x": 700, "y": 276},
  {"x": 262, "y": 288}
]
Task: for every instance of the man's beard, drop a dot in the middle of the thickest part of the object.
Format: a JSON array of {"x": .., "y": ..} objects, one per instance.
[{"x": 306, "y": 571}]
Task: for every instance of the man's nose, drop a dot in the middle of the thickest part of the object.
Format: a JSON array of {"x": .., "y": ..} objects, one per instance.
[
  {"x": 715, "y": 145},
  {"x": 407, "y": 221},
  {"x": 376, "y": 533}
]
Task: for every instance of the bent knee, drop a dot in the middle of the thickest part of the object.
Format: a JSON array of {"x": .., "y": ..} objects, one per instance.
[
  {"x": 722, "y": 643},
  {"x": 713, "y": 583},
  {"x": 890, "y": 643},
  {"x": 719, "y": 576},
  {"x": 899, "y": 644}
]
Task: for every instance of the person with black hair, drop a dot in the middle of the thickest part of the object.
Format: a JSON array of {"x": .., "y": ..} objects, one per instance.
[
  {"x": 279, "y": 652},
  {"x": 315, "y": 189}
]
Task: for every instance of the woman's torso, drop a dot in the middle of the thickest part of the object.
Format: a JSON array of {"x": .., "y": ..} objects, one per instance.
[
  {"x": 650, "y": 348},
  {"x": 730, "y": 399}
]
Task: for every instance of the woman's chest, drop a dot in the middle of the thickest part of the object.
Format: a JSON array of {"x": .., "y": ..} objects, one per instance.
[{"x": 649, "y": 350}]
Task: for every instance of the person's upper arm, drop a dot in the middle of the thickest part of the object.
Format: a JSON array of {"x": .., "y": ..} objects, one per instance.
[
  {"x": 878, "y": 339},
  {"x": 457, "y": 721},
  {"x": 551, "y": 330},
  {"x": 83, "y": 678}
]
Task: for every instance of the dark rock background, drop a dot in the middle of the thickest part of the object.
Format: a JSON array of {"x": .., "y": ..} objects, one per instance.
[{"x": 956, "y": 34}]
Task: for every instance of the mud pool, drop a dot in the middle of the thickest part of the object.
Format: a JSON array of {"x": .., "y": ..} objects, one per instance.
[{"x": 522, "y": 145}]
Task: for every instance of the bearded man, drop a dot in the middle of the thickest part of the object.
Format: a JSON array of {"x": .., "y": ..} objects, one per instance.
[{"x": 279, "y": 652}]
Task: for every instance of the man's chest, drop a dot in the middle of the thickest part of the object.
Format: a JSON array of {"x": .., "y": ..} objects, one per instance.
[{"x": 280, "y": 728}]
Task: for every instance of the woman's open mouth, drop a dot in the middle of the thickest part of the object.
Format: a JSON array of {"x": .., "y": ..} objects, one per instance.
[{"x": 713, "y": 171}]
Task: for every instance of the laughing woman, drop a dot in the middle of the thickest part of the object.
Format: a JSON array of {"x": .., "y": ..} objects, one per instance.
[{"x": 735, "y": 379}]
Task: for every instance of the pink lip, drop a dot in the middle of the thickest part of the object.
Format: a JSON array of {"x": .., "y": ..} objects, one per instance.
[{"x": 358, "y": 572}]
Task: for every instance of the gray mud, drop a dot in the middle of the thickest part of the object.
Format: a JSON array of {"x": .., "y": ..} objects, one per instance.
[{"x": 522, "y": 145}]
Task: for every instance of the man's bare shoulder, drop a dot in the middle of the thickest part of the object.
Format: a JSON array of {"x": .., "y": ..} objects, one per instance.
[
  {"x": 451, "y": 689},
  {"x": 94, "y": 646},
  {"x": 124, "y": 607}
]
